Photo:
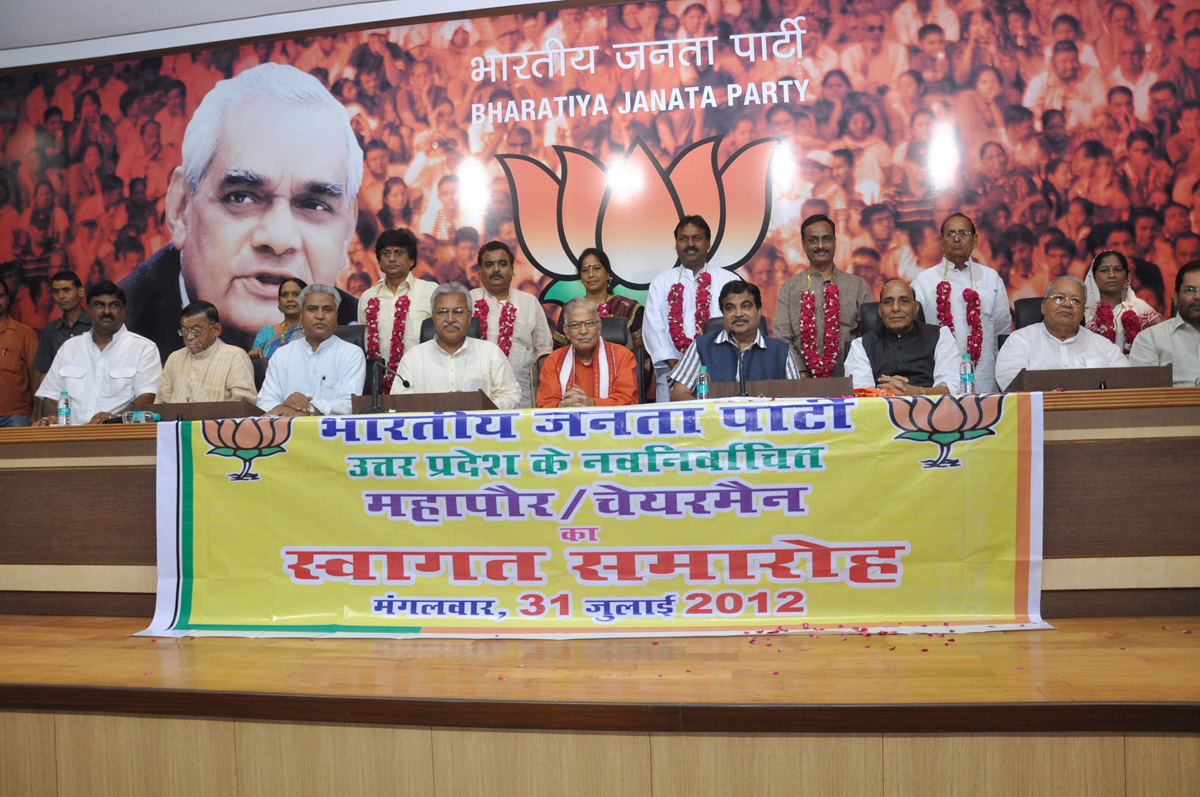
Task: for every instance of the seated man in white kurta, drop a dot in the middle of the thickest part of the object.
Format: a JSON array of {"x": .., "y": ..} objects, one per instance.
[{"x": 1060, "y": 341}]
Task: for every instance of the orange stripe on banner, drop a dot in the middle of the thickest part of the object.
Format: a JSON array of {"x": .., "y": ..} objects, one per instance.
[{"x": 1024, "y": 454}]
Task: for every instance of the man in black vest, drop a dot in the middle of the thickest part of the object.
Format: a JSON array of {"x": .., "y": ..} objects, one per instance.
[
  {"x": 905, "y": 355},
  {"x": 739, "y": 345}
]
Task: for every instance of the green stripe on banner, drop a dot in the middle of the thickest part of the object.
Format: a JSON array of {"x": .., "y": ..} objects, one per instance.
[
  {"x": 311, "y": 629},
  {"x": 185, "y": 503}
]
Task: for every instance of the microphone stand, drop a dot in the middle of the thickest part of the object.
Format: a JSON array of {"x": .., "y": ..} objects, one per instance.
[{"x": 377, "y": 369}]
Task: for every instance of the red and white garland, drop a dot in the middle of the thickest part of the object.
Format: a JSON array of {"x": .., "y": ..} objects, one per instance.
[
  {"x": 602, "y": 309},
  {"x": 1105, "y": 324},
  {"x": 974, "y": 323},
  {"x": 508, "y": 319},
  {"x": 397, "y": 343},
  {"x": 820, "y": 365},
  {"x": 675, "y": 310}
]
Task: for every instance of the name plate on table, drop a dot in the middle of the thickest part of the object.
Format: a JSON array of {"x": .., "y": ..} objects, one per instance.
[
  {"x": 1031, "y": 381},
  {"x": 204, "y": 410},
  {"x": 467, "y": 401},
  {"x": 787, "y": 388}
]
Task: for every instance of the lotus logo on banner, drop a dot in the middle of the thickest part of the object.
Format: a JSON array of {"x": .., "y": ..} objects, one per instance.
[
  {"x": 630, "y": 208},
  {"x": 247, "y": 439},
  {"x": 945, "y": 421}
]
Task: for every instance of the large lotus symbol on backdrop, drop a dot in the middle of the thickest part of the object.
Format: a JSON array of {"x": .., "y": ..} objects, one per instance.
[{"x": 629, "y": 209}]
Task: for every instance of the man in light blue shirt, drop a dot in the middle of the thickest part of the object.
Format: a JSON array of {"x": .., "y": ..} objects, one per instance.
[{"x": 317, "y": 374}]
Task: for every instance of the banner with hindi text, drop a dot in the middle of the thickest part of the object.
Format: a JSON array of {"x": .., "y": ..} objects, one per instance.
[{"x": 697, "y": 518}]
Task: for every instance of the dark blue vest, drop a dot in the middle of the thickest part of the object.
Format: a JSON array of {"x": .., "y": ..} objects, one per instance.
[
  {"x": 721, "y": 359},
  {"x": 910, "y": 355}
]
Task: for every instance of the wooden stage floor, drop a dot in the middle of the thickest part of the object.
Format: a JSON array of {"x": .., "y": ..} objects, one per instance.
[{"x": 1117, "y": 674}]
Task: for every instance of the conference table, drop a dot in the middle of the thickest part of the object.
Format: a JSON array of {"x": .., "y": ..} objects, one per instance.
[{"x": 1107, "y": 701}]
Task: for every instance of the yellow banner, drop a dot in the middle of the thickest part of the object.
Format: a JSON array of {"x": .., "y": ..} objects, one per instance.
[{"x": 700, "y": 518}]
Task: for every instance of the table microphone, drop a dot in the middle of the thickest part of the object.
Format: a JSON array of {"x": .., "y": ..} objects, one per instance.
[{"x": 378, "y": 367}]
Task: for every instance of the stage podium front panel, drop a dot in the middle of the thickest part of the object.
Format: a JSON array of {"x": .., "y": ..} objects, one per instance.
[
  {"x": 832, "y": 387},
  {"x": 205, "y": 410},
  {"x": 472, "y": 401},
  {"x": 1029, "y": 381}
]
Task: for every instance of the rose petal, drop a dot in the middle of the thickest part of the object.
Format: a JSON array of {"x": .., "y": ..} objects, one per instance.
[
  {"x": 502, "y": 678},
  {"x": 774, "y": 672},
  {"x": 924, "y": 650}
]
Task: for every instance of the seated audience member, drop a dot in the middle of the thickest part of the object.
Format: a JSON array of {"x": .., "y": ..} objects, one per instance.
[
  {"x": 1111, "y": 309},
  {"x": 453, "y": 362},
  {"x": 67, "y": 291},
  {"x": 105, "y": 372},
  {"x": 589, "y": 371},
  {"x": 18, "y": 346},
  {"x": 905, "y": 355},
  {"x": 1176, "y": 340},
  {"x": 1060, "y": 341},
  {"x": 206, "y": 368},
  {"x": 317, "y": 374},
  {"x": 740, "y": 344},
  {"x": 270, "y": 338}
]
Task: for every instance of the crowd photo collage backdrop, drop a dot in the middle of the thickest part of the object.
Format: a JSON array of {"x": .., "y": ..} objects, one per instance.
[{"x": 1063, "y": 128}]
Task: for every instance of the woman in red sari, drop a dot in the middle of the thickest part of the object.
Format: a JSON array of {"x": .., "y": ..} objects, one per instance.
[{"x": 596, "y": 275}]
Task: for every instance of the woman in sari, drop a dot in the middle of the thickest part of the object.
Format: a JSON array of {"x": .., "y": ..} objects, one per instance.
[
  {"x": 271, "y": 337},
  {"x": 1110, "y": 308},
  {"x": 596, "y": 275}
]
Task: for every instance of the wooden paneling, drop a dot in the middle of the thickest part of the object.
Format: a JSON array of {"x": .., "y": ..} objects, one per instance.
[
  {"x": 1121, "y": 498},
  {"x": 766, "y": 764},
  {"x": 1162, "y": 766},
  {"x": 82, "y": 516},
  {"x": 1121, "y": 399},
  {"x": 27, "y": 764},
  {"x": 1000, "y": 764},
  {"x": 524, "y": 763},
  {"x": 1120, "y": 603},
  {"x": 319, "y": 760},
  {"x": 133, "y": 756},
  {"x": 1128, "y": 572},
  {"x": 84, "y": 604},
  {"x": 79, "y": 578}
]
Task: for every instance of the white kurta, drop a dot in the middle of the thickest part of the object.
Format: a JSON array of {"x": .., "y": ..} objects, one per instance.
[
  {"x": 477, "y": 365},
  {"x": 420, "y": 298},
  {"x": 102, "y": 380},
  {"x": 1174, "y": 341},
  {"x": 1035, "y": 349},
  {"x": 330, "y": 375},
  {"x": 531, "y": 338},
  {"x": 656, "y": 333},
  {"x": 993, "y": 311}
]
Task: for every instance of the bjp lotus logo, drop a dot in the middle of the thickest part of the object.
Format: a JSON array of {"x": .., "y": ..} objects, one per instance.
[
  {"x": 247, "y": 439},
  {"x": 944, "y": 421},
  {"x": 630, "y": 208}
]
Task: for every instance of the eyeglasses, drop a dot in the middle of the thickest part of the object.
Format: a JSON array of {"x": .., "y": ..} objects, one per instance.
[
  {"x": 874, "y": 28},
  {"x": 1190, "y": 290},
  {"x": 457, "y": 312},
  {"x": 954, "y": 235},
  {"x": 591, "y": 323},
  {"x": 1059, "y": 298},
  {"x": 193, "y": 332}
]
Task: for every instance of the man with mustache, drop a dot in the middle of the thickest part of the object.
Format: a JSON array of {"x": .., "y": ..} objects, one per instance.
[
  {"x": 589, "y": 372},
  {"x": 512, "y": 319},
  {"x": 905, "y": 355},
  {"x": 1176, "y": 340},
  {"x": 964, "y": 278},
  {"x": 819, "y": 238},
  {"x": 740, "y": 344},
  {"x": 1060, "y": 341},
  {"x": 105, "y": 372},
  {"x": 271, "y": 169},
  {"x": 67, "y": 291},
  {"x": 315, "y": 375},
  {"x": 672, "y": 320},
  {"x": 453, "y": 362},
  {"x": 205, "y": 369}
]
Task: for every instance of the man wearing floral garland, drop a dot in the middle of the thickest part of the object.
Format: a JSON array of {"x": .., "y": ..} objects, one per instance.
[
  {"x": 681, "y": 300},
  {"x": 394, "y": 307},
  {"x": 820, "y": 291},
  {"x": 514, "y": 320},
  {"x": 967, "y": 298}
]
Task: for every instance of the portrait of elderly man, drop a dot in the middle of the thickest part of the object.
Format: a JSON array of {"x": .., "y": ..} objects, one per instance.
[
  {"x": 266, "y": 192},
  {"x": 512, "y": 319},
  {"x": 1060, "y": 341},
  {"x": 453, "y": 362},
  {"x": 739, "y": 344},
  {"x": 1176, "y": 340},
  {"x": 904, "y": 355},
  {"x": 590, "y": 371},
  {"x": 104, "y": 372},
  {"x": 316, "y": 374},
  {"x": 206, "y": 368}
]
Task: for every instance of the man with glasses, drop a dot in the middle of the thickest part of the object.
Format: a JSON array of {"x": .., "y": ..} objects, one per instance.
[
  {"x": 206, "y": 368},
  {"x": 874, "y": 65},
  {"x": 453, "y": 362},
  {"x": 1060, "y": 341},
  {"x": 590, "y": 372},
  {"x": 967, "y": 297},
  {"x": 1176, "y": 340}
]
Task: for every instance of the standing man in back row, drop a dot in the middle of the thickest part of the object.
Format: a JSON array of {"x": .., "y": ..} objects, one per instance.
[{"x": 967, "y": 298}]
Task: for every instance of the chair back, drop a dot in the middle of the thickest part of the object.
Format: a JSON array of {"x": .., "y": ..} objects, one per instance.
[
  {"x": 615, "y": 330},
  {"x": 1027, "y": 312},
  {"x": 352, "y": 333},
  {"x": 869, "y": 321},
  {"x": 718, "y": 323}
]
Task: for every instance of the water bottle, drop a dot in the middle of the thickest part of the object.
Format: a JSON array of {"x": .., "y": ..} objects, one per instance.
[
  {"x": 966, "y": 375},
  {"x": 140, "y": 416},
  {"x": 64, "y": 409},
  {"x": 702, "y": 383}
]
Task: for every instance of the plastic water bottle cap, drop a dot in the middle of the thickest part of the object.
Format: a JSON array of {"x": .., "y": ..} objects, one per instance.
[{"x": 157, "y": 417}]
